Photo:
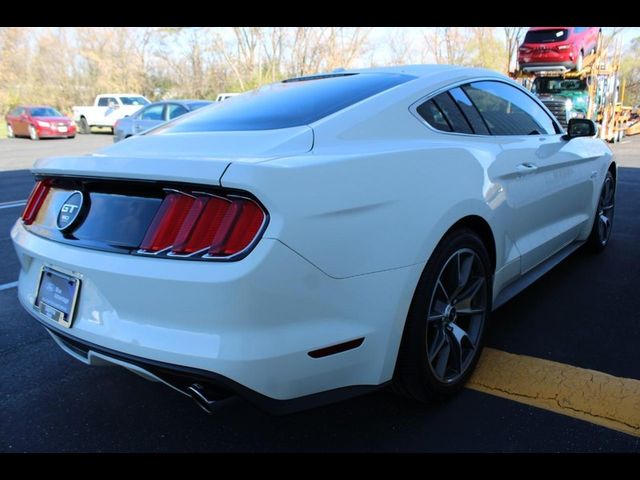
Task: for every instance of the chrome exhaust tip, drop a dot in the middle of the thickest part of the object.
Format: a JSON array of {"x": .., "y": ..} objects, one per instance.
[{"x": 197, "y": 393}]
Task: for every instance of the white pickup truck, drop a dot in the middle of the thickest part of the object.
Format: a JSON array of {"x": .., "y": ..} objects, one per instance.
[{"x": 107, "y": 109}]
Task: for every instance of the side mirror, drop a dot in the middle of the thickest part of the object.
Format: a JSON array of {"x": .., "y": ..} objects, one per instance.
[
  {"x": 580, "y": 127},
  {"x": 113, "y": 105}
]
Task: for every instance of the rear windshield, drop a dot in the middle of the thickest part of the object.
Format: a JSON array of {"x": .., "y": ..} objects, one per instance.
[
  {"x": 287, "y": 104},
  {"x": 546, "y": 36},
  {"x": 134, "y": 101},
  {"x": 45, "y": 112}
]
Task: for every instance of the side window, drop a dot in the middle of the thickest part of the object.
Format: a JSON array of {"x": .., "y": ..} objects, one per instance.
[
  {"x": 433, "y": 116},
  {"x": 154, "y": 112},
  {"x": 174, "y": 110},
  {"x": 103, "y": 102},
  {"x": 579, "y": 29},
  {"x": 469, "y": 111},
  {"x": 508, "y": 111},
  {"x": 452, "y": 113},
  {"x": 16, "y": 112}
]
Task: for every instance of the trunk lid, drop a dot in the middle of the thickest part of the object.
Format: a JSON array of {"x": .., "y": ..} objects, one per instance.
[{"x": 198, "y": 157}]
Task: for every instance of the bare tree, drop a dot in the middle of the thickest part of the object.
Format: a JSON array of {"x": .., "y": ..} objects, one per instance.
[
  {"x": 513, "y": 38},
  {"x": 448, "y": 45}
]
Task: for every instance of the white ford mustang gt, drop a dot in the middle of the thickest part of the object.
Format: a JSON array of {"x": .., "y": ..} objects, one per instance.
[{"x": 315, "y": 238}]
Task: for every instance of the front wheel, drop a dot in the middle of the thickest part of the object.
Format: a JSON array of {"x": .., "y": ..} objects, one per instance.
[
  {"x": 444, "y": 331},
  {"x": 603, "y": 221},
  {"x": 33, "y": 133},
  {"x": 10, "y": 133}
]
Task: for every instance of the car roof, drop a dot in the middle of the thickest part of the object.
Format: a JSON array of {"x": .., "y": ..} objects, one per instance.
[
  {"x": 425, "y": 74},
  {"x": 420, "y": 70}
]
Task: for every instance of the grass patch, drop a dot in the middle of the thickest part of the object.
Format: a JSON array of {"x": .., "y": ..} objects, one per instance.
[{"x": 3, "y": 130}]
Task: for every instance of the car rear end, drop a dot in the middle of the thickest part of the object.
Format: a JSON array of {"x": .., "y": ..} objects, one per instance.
[
  {"x": 55, "y": 128},
  {"x": 548, "y": 48},
  {"x": 164, "y": 271}
]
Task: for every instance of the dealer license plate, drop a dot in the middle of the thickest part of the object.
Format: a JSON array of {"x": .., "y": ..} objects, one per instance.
[{"x": 57, "y": 295}]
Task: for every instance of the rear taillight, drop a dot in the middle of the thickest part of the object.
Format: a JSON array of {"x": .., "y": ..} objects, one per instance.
[
  {"x": 203, "y": 224},
  {"x": 35, "y": 201}
]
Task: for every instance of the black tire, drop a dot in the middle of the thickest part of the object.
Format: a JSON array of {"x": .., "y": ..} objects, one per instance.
[
  {"x": 85, "y": 128},
  {"x": 33, "y": 133},
  {"x": 605, "y": 209},
  {"x": 415, "y": 376},
  {"x": 71, "y": 136}
]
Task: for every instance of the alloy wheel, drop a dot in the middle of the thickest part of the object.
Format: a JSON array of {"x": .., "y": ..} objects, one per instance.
[
  {"x": 606, "y": 206},
  {"x": 456, "y": 315}
]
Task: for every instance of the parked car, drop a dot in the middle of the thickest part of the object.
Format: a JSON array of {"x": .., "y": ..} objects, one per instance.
[
  {"x": 153, "y": 115},
  {"x": 557, "y": 48},
  {"x": 107, "y": 109},
  {"x": 316, "y": 238},
  {"x": 39, "y": 121}
]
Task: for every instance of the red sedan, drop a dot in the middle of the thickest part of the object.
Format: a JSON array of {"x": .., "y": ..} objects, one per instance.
[
  {"x": 39, "y": 122},
  {"x": 557, "y": 48}
]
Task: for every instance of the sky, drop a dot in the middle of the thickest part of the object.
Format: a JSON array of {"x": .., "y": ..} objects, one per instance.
[{"x": 381, "y": 52}]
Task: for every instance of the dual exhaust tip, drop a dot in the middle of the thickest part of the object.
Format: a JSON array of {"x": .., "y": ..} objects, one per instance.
[{"x": 199, "y": 395}]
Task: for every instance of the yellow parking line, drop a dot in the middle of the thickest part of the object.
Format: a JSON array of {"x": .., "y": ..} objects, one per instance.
[{"x": 595, "y": 397}]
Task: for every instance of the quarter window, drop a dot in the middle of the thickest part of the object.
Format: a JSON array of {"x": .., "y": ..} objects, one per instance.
[
  {"x": 434, "y": 116},
  {"x": 508, "y": 111},
  {"x": 452, "y": 113}
]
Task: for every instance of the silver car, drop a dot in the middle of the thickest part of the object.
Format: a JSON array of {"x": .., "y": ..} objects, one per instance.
[{"x": 153, "y": 115}]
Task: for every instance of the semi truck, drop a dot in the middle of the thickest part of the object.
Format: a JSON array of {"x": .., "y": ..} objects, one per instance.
[{"x": 595, "y": 92}]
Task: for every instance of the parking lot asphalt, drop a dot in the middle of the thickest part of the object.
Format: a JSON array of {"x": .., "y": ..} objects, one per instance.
[{"x": 584, "y": 313}]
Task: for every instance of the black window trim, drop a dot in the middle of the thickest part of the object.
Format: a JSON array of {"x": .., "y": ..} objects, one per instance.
[
  {"x": 464, "y": 115},
  {"x": 166, "y": 110},
  {"x": 413, "y": 108}
]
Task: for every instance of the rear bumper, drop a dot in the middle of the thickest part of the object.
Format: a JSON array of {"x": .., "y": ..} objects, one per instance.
[
  {"x": 547, "y": 66},
  {"x": 251, "y": 322},
  {"x": 53, "y": 133}
]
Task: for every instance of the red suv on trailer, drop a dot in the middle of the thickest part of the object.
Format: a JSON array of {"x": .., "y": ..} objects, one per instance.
[{"x": 557, "y": 48}]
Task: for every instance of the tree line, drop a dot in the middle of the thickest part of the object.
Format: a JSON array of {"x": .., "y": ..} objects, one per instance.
[{"x": 68, "y": 66}]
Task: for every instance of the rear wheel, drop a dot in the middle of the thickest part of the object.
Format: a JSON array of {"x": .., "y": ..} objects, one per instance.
[
  {"x": 10, "y": 133},
  {"x": 603, "y": 221},
  {"x": 443, "y": 334},
  {"x": 85, "y": 128},
  {"x": 33, "y": 133}
]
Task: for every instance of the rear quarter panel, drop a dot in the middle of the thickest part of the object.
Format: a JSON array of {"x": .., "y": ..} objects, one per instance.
[{"x": 375, "y": 196}]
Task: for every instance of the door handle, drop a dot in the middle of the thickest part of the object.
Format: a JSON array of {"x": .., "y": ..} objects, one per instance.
[{"x": 526, "y": 167}]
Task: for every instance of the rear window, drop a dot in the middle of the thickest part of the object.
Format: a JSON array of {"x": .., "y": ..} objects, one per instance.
[
  {"x": 546, "y": 36},
  {"x": 287, "y": 104}
]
